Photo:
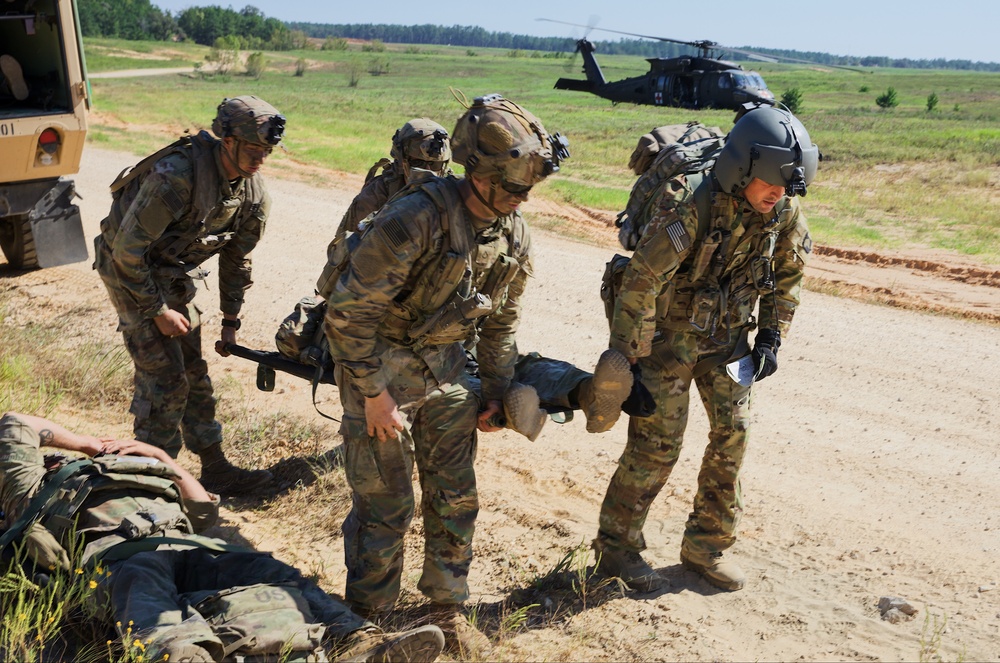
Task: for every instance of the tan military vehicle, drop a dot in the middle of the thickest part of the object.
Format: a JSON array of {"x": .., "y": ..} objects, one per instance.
[{"x": 44, "y": 97}]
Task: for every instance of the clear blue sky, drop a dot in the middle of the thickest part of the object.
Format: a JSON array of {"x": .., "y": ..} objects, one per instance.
[{"x": 919, "y": 29}]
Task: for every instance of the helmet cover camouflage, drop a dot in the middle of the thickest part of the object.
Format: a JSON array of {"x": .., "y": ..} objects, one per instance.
[
  {"x": 251, "y": 119},
  {"x": 423, "y": 143},
  {"x": 769, "y": 144},
  {"x": 497, "y": 139}
]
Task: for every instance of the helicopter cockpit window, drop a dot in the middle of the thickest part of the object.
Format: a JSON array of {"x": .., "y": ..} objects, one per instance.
[
  {"x": 758, "y": 80},
  {"x": 725, "y": 81}
]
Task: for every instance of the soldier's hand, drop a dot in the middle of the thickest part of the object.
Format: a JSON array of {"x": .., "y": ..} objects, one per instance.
[
  {"x": 640, "y": 402},
  {"x": 228, "y": 336},
  {"x": 483, "y": 423},
  {"x": 765, "y": 353},
  {"x": 172, "y": 323},
  {"x": 382, "y": 417}
]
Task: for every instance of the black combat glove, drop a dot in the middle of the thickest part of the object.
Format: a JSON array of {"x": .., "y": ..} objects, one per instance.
[
  {"x": 640, "y": 402},
  {"x": 765, "y": 353}
]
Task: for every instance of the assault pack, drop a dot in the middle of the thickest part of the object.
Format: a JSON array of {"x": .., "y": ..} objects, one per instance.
[{"x": 661, "y": 155}]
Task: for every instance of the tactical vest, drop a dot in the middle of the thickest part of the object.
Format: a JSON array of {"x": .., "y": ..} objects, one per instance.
[
  {"x": 462, "y": 282},
  {"x": 722, "y": 273},
  {"x": 188, "y": 244}
]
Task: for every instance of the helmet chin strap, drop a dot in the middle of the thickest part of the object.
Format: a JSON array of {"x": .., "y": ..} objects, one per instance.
[
  {"x": 236, "y": 163},
  {"x": 493, "y": 194}
]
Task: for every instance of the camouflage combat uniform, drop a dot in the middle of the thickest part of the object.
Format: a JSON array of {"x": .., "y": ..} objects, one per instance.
[
  {"x": 384, "y": 335},
  {"x": 553, "y": 380},
  {"x": 668, "y": 316},
  {"x": 164, "y": 224},
  {"x": 376, "y": 192},
  {"x": 128, "y": 501}
]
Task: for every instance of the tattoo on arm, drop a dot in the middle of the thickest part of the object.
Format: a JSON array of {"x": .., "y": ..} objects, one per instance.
[{"x": 46, "y": 436}]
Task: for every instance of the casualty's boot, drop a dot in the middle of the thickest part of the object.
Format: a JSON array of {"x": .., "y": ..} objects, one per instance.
[
  {"x": 602, "y": 395},
  {"x": 629, "y": 566},
  {"x": 724, "y": 574},
  {"x": 522, "y": 412},
  {"x": 220, "y": 476},
  {"x": 419, "y": 645},
  {"x": 461, "y": 638}
]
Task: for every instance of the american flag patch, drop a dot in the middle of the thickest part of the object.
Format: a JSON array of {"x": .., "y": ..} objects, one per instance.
[
  {"x": 394, "y": 232},
  {"x": 679, "y": 236}
]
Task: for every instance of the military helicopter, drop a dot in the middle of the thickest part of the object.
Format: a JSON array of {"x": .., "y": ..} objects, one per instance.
[{"x": 688, "y": 82}]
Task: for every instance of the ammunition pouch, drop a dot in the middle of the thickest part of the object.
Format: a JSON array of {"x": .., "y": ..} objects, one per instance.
[{"x": 611, "y": 283}]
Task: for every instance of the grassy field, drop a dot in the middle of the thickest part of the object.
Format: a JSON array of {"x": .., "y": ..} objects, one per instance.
[{"x": 901, "y": 178}]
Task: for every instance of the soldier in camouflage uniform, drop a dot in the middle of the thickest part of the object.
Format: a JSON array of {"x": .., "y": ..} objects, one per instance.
[
  {"x": 138, "y": 513},
  {"x": 440, "y": 267},
  {"x": 715, "y": 245},
  {"x": 420, "y": 143},
  {"x": 196, "y": 198},
  {"x": 421, "y": 148}
]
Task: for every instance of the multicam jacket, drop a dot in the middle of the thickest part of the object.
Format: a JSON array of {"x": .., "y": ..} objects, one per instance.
[
  {"x": 407, "y": 285},
  {"x": 175, "y": 215},
  {"x": 706, "y": 278}
]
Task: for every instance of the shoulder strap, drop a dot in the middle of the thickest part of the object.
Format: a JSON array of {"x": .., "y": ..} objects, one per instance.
[
  {"x": 143, "y": 166},
  {"x": 382, "y": 163},
  {"x": 41, "y": 502},
  {"x": 444, "y": 192}
]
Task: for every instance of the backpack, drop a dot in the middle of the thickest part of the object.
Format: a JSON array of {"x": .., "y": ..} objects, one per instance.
[{"x": 661, "y": 155}]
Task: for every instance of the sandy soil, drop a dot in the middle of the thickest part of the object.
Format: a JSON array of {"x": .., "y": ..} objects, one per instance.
[{"x": 872, "y": 470}]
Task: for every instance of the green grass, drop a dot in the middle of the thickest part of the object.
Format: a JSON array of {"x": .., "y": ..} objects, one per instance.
[{"x": 898, "y": 178}]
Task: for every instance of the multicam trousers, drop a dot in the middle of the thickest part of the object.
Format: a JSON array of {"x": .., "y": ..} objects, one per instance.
[
  {"x": 440, "y": 436},
  {"x": 149, "y": 590},
  {"x": 654, "y": 444},
  {"x": 173, "y": 392}
]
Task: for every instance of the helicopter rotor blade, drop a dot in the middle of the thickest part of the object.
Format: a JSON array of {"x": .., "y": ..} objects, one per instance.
[
  {"x": 705, "y": 44},
  {"x": 773, "y": 58}
]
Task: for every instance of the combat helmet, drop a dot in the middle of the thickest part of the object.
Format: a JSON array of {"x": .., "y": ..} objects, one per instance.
[
  {"x": 768, "y": 143},
  {"x": 251, "y": 119},
  {"x": 422, "y": 143},
  {"x": 498, "y": 140}
]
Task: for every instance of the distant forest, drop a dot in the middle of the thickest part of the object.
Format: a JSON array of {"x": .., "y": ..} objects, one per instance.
[{"x": 250, "y": 29}]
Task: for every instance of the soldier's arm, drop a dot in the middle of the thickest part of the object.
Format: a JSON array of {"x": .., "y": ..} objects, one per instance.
[
  {"x": 165, "y": 196},
  {"x": 380, "y": 266},
  {"x": 667, "y": 240},
  {"x": 496, "y": 351},
  {"x": 53, "y": 435},
  {"x": 791, "y": 253},
  {"x": 235, "y": 265},
  {"x": 371, "y": 199}
]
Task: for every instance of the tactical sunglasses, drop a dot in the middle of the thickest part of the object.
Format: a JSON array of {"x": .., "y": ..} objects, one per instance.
[{"x": 515, "y": 189}]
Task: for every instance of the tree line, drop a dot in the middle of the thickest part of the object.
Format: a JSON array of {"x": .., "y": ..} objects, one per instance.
[{"x": 249, "y": 28}]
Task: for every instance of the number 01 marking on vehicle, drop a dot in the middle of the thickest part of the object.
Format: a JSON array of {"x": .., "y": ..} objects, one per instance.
[{"x": 7, "y": 129}]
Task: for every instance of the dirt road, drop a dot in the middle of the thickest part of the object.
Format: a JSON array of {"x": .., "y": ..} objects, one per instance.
[{"x": 872, "y": 471}]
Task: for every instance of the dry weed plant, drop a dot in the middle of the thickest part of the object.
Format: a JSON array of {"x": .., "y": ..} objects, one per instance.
[{"x": 931, "y": 636}]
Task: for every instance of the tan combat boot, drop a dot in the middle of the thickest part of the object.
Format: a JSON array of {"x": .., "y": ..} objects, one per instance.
[
  {"x": 220, "y": 476},
  {"x": 419, "y": 645},
  {"x": 461, "y": 638},
  {"x": 602, "y": 395},
  {"x": 522, "y": 412},
  {"x": 724, "y": 574},
  {"x": 629, "y": 566}
]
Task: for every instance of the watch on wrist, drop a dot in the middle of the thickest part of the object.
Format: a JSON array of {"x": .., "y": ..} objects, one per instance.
[{"x": 235, "y": 324}]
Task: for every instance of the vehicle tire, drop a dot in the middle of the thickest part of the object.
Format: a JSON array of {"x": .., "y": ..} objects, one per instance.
[{"x": 17, "y": 242}]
